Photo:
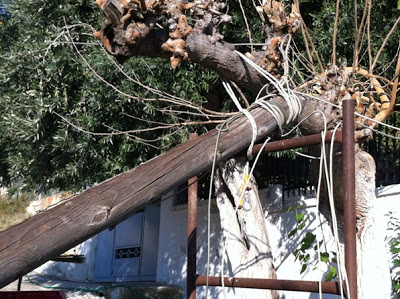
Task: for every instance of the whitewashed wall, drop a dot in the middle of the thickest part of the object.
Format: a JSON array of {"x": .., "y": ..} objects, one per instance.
[
  {"x": 171, "y": 262},
  {"x": 82, "y": 272},
  {"x": 388, "y": 200},
  {"x": 173, "y": 226}
]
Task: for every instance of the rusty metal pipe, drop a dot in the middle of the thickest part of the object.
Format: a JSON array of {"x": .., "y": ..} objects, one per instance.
[
  {"x": 297, "y": 142},
  {"x": 192, "y": 235},
  {"x": 350, "y": 230},
  {"x": 328, "y": 287}
]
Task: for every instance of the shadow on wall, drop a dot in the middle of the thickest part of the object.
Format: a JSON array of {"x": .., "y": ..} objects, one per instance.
[
  {"x": 172, "y": 244},
  {"x": 280, "y": 223},
  {"x": 173, "y": 248}
]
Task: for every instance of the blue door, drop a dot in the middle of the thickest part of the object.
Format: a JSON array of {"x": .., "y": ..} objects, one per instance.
[{"x": 129, "y": 251}]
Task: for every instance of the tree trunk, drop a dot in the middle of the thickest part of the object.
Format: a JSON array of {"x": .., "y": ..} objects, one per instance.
[
  {"x": 373, "y": 267},
  {"x": 31, "y": 243},
  {"x": 248, "y": 252}
]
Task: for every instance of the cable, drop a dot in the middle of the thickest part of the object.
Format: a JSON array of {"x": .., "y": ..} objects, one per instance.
[
  {"x": 378, "y": 132},
  {"x": 355, "y": 113},
  {"x": 323, "y": 135},
  {"x": 231, "y": 93},
  {"x": 334, "y": 218},
  {"x": 329, "y": 183},
  {"x": 220, "y": 129},
  {"x": 252, "y": 168},
  {"x": 292, "y": 101}
]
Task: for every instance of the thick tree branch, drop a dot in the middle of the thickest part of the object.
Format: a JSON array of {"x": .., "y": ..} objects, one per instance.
[
  {"x": 221, "y": 58},
  {"x": 161, "y": 29}
]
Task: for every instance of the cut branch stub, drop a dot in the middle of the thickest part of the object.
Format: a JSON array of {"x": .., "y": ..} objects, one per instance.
[
  {"x": 277, "y": 26},
  {"x": 130, "y": 25},
  {"x": 176, "y": 43}
]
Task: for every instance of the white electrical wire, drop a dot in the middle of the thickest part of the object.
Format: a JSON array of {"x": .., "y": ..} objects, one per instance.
[
  {"x": 334, "y": 219},
  {"x": 209, "y": 205},
  {"x": 230, "y": 92},
  {"x": 323, "y": 135},
  {"x": 292, "y": 101},
  {"x": 340, "y": 107},
  {"x": 329, "y": 184},
  {"x": 252, "y": 168}
]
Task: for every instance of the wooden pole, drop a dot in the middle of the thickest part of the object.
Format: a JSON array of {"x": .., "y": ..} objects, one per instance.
[{"x": 42, "y": 237}]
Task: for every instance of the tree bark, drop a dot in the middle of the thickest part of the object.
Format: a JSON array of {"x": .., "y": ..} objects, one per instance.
[
  {"x": 162, "y": 29},
  {"x": 248, "y": 256},
  {"x": 221, "y": 58},
  {"x": 31, "y": 243},
  {"x": 373, "y": 269}
]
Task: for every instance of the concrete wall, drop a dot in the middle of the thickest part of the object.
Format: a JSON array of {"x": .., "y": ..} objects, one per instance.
[{"x": 172, "y": 244}]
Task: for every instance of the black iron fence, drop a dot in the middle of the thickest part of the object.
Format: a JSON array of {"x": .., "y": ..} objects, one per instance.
[
  {"x": 386, "y": 152},
  {"x": 293, "y": 171}
]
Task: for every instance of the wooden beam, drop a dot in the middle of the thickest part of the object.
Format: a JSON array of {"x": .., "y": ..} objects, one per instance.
[{"x": 42, "y": 237}]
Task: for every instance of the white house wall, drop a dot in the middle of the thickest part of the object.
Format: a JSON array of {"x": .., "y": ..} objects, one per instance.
[
  {"x": 388, "y": 201},
  {"x": 173, "y": 236},
  {"x": 82, "y": 272},
  {"x": 173, "y": 232},
  {"x": 171, "y": 261},
  {"x": 172, "y": 245}
]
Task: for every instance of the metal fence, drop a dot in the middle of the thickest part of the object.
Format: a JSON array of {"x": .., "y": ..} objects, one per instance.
[
  {"x": 386, "y": 152},
  {"x": 293, "y": 172}
]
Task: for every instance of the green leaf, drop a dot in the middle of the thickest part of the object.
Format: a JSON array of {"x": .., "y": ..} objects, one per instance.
[
  {"x": 303, "y": 268},
  {"x": 296, "y": 253},
  {"x": 398, "y": 4},
  {"x": 309, "y": 238},
  {"x": 292, "y": 232},
  {"x": 299, "y": 217},
  {"x": 332, "y": 274},
  {"x": 329, "y": 276},
  {"x": 302, "y": 225},
  {"x": 325, "y": 257}
]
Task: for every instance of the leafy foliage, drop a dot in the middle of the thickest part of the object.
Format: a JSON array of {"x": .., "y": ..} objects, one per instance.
[
  {"x": 308, "y": 246},
  {"x": 43, "y": 78},
  {"x": 5, "y": 15},
  {"x": 320, "y": 17},
  {"x": 394, "y": 242}
]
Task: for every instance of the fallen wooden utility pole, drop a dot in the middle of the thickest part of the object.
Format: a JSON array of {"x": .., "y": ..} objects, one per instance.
[{"x": 31, "y": 243}]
